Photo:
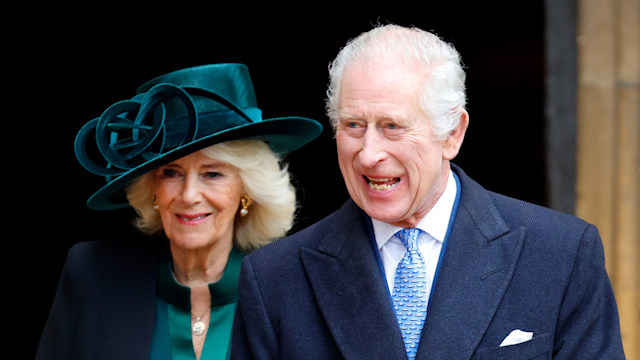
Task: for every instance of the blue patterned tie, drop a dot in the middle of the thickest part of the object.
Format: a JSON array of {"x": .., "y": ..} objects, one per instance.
[{"x": 410, "y": 291}]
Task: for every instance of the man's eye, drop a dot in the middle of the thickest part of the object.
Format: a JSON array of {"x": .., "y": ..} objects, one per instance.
[
  {"x": 392, "y": 126},
  {"x": 352, "y": 124}
]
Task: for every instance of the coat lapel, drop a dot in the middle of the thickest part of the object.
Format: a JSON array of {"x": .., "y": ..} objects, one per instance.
[
  {"x": 477, "y": 267},
  {"x": 350, "y": 290}
]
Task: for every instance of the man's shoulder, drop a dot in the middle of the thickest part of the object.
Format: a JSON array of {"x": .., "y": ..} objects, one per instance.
[
  {"x": 513, "y": 210},
  {"x": 311, "y": 236},
  {"x": 526, "y": 213}
]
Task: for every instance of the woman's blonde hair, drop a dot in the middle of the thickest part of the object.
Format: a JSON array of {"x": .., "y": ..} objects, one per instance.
[{"x": 265, "y": 179}]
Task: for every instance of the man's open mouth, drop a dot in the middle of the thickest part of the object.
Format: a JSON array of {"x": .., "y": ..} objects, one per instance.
[{"x": 382, "y": 184}]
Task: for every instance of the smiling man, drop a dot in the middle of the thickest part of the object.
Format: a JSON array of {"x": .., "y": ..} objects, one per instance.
[
  {"x": 422, "y": 262},
  {"x": 394, "y": 166}
]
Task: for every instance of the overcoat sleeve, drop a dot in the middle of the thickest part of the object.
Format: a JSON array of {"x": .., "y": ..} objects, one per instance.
[
  {"x": 104, "y": 305},
  {"x": 59, "y": 332},
  {"x": 588, "y": 324}
]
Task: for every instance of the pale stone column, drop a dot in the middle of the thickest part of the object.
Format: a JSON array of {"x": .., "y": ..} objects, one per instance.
[{"x": 608, "y": 146}]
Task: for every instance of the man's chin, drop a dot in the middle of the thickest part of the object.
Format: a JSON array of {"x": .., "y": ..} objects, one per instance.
[{"x": 385, "y": 215}]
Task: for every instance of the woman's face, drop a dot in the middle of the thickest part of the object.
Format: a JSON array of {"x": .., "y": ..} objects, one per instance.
[{"x": 198, "y": 198}]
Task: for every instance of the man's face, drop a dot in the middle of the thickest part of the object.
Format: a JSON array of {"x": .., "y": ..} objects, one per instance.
[{"x": 392, "y": 167}]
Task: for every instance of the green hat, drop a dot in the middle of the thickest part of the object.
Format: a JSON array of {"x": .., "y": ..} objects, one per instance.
[{"x": 175, "y": 115}]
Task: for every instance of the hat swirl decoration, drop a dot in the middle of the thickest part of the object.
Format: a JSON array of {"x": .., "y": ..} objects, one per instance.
[
  {"x": 147, "y": 130},
  {"x": 174, "y": 115}
]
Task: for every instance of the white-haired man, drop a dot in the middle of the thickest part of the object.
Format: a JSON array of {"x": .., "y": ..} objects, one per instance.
[{"x": 422, "y": 262}]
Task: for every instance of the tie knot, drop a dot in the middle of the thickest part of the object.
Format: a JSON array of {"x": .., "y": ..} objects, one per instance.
[{"x": 409, "y": 237}]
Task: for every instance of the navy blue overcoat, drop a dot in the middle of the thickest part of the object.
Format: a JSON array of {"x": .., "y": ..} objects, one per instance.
[{"x": 319, "y": 294}]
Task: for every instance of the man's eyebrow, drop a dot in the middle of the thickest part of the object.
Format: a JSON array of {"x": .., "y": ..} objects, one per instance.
[{"x": 342, "y": 115}]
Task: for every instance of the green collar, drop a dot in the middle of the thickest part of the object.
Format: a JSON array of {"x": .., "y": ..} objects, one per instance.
[{"x": 223, "y": 292}]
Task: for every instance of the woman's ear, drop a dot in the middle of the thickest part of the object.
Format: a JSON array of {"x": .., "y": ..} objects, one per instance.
[{"x": 452, "y": 144}]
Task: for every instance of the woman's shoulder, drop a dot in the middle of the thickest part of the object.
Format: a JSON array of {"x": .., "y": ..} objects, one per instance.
[
  {"x": 114, "y": 251},
  {"x": 111, "y": 261},
  {"x": 107, "y": 246}
]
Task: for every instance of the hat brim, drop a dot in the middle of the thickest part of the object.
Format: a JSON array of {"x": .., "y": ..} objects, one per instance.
[{"x": 283, "y": 135}]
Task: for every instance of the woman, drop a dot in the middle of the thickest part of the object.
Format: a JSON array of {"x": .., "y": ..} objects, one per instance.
[{"x": 191, "y": 154}]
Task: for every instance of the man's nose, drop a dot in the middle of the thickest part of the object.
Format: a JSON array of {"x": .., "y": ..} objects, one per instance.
[{"x": 373, "y": 150}]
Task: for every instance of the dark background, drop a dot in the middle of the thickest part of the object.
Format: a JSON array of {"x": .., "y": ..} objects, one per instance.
[{"x": 66, "y": 65}]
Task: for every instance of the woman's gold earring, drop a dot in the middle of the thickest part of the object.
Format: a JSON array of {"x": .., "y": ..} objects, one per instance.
[
  {"x": 246, "y": 201},
  {"x": 155, "y": 202}
]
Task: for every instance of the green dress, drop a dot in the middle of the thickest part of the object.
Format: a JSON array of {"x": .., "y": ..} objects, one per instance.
[{"x": 172, "y": 327}]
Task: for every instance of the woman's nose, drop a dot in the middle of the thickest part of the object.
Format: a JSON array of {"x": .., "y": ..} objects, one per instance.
[{"x": 191, "y": 190}]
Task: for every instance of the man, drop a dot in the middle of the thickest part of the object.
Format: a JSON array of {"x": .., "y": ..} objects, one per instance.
[{"x": 491, "y": 277}]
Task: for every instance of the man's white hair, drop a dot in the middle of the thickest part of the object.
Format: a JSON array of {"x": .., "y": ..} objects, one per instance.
[{"x": 443, "y": 97}]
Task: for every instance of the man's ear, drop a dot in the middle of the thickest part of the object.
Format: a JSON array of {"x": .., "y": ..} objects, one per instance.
[{"x": 452, "y": 144}]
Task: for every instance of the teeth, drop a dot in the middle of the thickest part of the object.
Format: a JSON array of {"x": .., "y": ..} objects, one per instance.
[
  {"x": 382, "y": 183},
  {"x": 383, "y": 186},
  {"x": 193, "y": 219},
  {"x": 379, "y": 179}
]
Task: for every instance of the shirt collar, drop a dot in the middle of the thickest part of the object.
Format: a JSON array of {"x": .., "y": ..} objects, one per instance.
[{"x": 435, "y": 223}]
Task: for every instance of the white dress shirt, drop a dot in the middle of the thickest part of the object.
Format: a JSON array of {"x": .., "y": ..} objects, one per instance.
[{"x": 434, "y": 226}]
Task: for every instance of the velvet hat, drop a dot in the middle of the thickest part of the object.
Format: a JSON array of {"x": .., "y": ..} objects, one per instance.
[{"x": 174, "y": 115}]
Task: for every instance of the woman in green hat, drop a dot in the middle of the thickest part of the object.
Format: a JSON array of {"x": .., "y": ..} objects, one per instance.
[{"x": 193, "y": 156}]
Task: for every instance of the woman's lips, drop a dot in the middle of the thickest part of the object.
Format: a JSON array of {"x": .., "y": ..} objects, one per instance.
[{"x": 192, "y": 219}]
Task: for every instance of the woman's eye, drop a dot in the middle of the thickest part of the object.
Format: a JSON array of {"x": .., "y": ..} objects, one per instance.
[
  {"x": 352, "y": 124},
  {"x": 392, "y": 126},
  {"x": 212, "y": 174},
  {"x": 169, "y": 173}
]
